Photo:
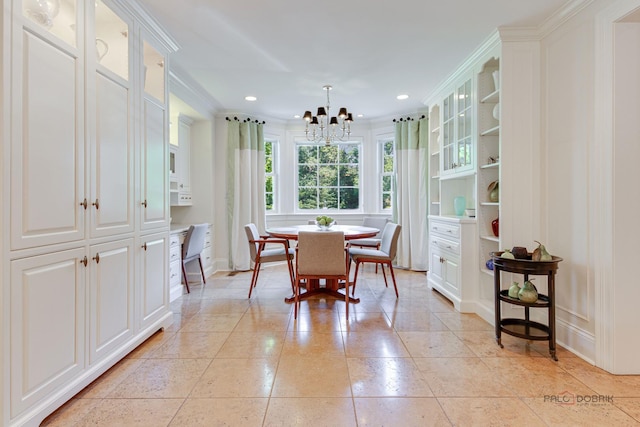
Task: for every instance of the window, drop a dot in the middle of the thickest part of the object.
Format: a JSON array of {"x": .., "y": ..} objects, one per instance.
[
  {"x": 387, "y": 173},
  {"x": 329, "y": 176},
  {"x": 270, "y": 148}
]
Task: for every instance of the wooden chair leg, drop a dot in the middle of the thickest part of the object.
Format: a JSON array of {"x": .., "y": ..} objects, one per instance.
[
  {"x": 384, "y": 275},
  {"x": 291, "y": 275},
  {"x": 296, "y": 298},
  {"x": 394, "y": 279},
  {"x": 204, "y": 280},
  {"x": 186, "y": 281},
  {"x": 355, "y": 279},
  {"x": 254, "y": 278},
  {"x": 346, "y": 297}
]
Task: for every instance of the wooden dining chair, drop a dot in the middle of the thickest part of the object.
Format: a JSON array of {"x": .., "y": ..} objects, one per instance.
[
  {"x": 191, "y": 249},
  {"x": 261, "y": 254},
  {"x": 383, "y": 256},
  {"x": 321, "y": 255},
  {"x": 371, "y": 242}
]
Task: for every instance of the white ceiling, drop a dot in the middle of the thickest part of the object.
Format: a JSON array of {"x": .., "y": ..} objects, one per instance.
[{"x": 283, "y": 52}]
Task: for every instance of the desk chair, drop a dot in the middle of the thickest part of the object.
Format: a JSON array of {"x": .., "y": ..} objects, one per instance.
[
  {"x": 383, "y": 256},
  {"x": 321, "y": 255},
  {"x": 191, "y": 249},
  {"x": 260, "y": 254}
]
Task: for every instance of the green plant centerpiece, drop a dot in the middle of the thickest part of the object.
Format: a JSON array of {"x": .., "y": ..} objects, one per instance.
[{"x": 324, "y": 222}]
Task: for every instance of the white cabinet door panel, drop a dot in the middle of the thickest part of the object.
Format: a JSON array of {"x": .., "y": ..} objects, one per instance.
[
  {"x": 112, "y": 177},
  {"x": 111, "y": 296},
  {"x": 154, "y": 253},
  {"x": 154, "y": 168},
  {"x": 47, "y": 160},
  {"x": 47, "y": 325}
]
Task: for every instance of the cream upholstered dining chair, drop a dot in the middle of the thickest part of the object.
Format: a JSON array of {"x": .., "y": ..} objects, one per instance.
[
  {"x": 372, "y": 242},
  {"x": 261, "y": 254},
  {"x": 383, "y": 256},
  {"x": 191, "y": 249},
  {"x": 321, "y": 255}
]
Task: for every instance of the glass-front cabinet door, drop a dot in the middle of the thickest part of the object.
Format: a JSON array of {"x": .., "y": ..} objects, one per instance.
[
  {"x": 448, "y": 135},
  {"x": 57, "y": 17},
  {"x": 457, "y": 132},
  {"x": 463, "y": 136},
  {"x": 112, "y": 40}
]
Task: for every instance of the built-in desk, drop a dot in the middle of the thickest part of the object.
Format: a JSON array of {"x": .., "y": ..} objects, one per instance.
[{"x": 176, "y": 237}]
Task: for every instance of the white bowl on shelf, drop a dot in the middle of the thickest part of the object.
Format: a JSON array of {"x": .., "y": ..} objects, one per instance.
[{"x": 471, "y": 213}]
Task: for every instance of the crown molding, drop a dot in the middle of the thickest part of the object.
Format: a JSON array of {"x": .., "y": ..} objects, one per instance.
[
  {"x": 562, "y": 15},
  {"x": 147, "y": 21}
]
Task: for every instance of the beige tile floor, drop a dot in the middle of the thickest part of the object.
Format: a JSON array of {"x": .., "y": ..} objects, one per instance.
[{"x": 412, "y": 361}]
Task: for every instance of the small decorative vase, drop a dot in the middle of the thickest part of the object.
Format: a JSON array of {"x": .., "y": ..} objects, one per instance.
[
  {"x": 514, "y": 290},
  {"x": 528, "y": 293},
  {"x": 489, "y": 264},
  {"x": 495, "y": 227},
  {"x": 494, "y": 192},
  {"x": 459, "y": 205}
]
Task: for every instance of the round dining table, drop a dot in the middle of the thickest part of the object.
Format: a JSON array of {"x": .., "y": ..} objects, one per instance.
[{"x": 331, "y": 287}]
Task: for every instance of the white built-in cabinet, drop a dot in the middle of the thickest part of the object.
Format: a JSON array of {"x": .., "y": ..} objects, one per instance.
[
  {"x": 181, "y": 147},
  {"x": 476, "y": 130},
  {"x": 452, "y": 259},
  {"x": 452, "y": 251},
  {"x": 86, "y": 231}
]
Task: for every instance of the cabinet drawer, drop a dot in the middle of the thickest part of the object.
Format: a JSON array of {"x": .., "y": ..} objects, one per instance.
[
  {"x": 175, "y": 253},
  {"x": 206, "y": 256},
  {"x": 445, "y": 245},
  {"x": 175, "y": 272},
  {"x": 451, "y": 230},
  {"x": 174, "y": 241},
  {"x": 208, "y": 237}
]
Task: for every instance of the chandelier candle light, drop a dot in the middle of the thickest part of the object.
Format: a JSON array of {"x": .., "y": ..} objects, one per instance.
[{"x": 323, "y": 126}]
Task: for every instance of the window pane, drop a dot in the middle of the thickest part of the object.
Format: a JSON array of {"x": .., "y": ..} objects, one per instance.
[
  {"x": 268, "y": 202},
  {"x": 388, "y": 148},
  {"x": 386, "y": 201},
  {"x": 307, "y": 198},
  {"x": 350, "y": 154},
  {"x": 386, "y": 183},
  {"x": 268, "y": 157},
  {"x": 329, "y": 154},
  {"x": 322, "y": 178},
  {"x": 307, "y": 175},
  {"x": 349, "y": 176},
  {"x": 307, "y": 154},
  {"x": 349, "y": 198},
  {"x": 328, "y": 176},
  {"x": 268, "y": 184},
  {"x": 329, "y": 198}
]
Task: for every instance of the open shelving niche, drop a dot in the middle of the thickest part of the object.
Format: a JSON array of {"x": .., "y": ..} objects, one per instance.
[{"x": 488, "y": 157}]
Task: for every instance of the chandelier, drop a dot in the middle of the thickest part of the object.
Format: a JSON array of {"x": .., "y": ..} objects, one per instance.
[{"x": 323, "y": 127}]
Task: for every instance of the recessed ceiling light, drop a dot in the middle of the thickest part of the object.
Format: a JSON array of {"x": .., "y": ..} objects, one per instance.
[
  {"x": 402, "y": 97},
  {"x": 250, "y": 98},
  {"x": 297, "y": 116},
  {"x": 360, "y": 115}
]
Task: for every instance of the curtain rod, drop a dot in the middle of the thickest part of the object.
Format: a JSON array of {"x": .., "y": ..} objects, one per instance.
[
  {"x": 247, "y": 120},
  {"x": 408, "y": 119}
]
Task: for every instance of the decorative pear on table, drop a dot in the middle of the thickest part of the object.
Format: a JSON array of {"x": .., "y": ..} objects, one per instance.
[{"x": 541, "y": 253}]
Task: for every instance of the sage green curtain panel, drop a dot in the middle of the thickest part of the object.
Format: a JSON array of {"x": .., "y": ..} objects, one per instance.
[
  {"x": 410, "y": 207},
  {"x": 245, "y": 187}
]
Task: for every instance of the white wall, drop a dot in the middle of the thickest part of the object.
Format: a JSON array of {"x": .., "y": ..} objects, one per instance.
[{"x": 590, "y": 173}]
